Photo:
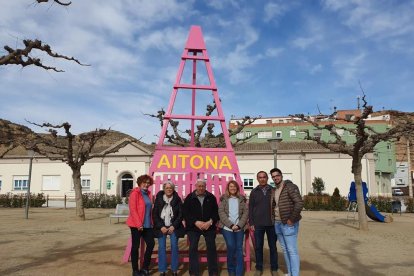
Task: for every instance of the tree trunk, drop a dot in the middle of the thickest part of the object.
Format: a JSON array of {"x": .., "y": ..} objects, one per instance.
[
  {"x": 76, "y": 177},
  {"x": 362, "y": 216}
]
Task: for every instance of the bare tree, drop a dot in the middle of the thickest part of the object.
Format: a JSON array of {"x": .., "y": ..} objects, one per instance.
[
  {"x": 74, "y": 150},
  {"x": 23, "y": 56},
  {"x": 366, "y": 139},
  {"x": 210, "y": 140}
]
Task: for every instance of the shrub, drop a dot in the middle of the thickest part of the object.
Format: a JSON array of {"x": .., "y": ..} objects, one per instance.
[
  {"x": 383, "y": 204},
  {"x": 316, "y": 202},
  {"x": 11, "y": 200},
  {"x": 338, "y": 203},
  {"x": 409, "y": 204},
  {"x": 93, "y": 200}
]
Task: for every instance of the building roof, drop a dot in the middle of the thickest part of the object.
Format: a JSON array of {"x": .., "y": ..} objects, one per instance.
[{"x": 111, "y": 139}]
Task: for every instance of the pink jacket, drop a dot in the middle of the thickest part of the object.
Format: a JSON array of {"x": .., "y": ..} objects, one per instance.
[{"x": 137, "y": 208}]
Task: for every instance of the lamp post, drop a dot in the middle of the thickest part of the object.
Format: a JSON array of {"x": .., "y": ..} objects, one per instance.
[
  {"x": 31, "y": 154},
  {"x": 274, "y": 145}
]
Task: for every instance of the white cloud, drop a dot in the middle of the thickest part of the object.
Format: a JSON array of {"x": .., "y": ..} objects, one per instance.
[
  {"x": 273, "y": 11},
  {"x": 314, "y": 34},
  {"x": 274, "y": 52},
  {"x": 350, "y": 69}
]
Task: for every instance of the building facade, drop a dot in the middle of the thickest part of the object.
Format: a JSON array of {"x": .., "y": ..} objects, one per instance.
[
  {"x": 291, "y": 129},
  {"x": 116, "y": 173}
]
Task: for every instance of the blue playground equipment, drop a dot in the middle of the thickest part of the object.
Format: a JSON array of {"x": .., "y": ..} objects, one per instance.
[{"x": 371, "y": 211}]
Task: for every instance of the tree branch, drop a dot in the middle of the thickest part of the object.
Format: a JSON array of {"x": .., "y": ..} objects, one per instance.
[
  {"x": 56, "y": 1},
  {"x": 23, "y": 56}
]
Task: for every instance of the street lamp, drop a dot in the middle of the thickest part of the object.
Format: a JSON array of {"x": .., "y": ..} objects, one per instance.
[
  {"x": 31, "y": 154},
  {"x": 274, "y": 145}
]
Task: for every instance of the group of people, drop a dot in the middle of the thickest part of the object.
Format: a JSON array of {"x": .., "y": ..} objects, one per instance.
[{"x": 274, "y": 211}]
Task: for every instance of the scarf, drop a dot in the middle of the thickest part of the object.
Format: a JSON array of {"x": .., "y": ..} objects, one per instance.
[{"x": 167, "y": 212}]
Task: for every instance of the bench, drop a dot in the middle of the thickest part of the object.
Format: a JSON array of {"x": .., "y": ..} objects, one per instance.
[{"x": 121, "y": 211}]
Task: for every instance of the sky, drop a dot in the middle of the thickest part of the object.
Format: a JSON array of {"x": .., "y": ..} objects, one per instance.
[{"x": 269, "y": 58}]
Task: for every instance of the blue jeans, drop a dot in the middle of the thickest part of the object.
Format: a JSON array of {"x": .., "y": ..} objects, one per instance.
[
  {"x": 234, "y": 244},
  {"x": 162, "y": 253},
  {"x": 288, "y": 239},
  {"x": 259, "y": 232}
]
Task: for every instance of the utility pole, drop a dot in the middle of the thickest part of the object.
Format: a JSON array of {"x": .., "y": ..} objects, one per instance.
[{"x": 410, "y": 184}]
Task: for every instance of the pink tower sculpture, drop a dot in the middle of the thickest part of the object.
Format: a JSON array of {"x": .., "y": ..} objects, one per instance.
[{"x": 183, "y": 165}]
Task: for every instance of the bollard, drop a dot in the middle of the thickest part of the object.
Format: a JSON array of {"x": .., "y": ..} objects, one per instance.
[
  {"x": 47, "y": 200},
  {"x": 65, "y": 201}
]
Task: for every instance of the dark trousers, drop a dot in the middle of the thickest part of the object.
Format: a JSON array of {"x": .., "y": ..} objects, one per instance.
[
  {"x": 148, "y": 235},
  {"x": 210, "y": 238},
  {"x": 259, "y": 232}
]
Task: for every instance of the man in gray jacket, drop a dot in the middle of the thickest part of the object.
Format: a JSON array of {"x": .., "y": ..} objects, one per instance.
[{"x": 287, "y": 204}]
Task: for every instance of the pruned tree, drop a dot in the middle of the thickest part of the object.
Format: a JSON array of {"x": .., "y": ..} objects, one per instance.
[
  {"x": 25, "y": 56},
  {"x": 365, "y": 140},
  {"x": 209, "y": 140},
  {"x": 74, "y": 150}
]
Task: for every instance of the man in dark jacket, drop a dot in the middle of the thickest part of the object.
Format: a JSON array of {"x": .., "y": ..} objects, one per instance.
[
  {"x": 260, "y": 219},
  {"x": 287, "y": 204},
  {"x": 201, "y": 215}
]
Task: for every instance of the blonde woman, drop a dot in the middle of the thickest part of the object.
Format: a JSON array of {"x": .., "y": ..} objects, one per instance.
[
  {"x": 233, "y": 212},
  {"x": 168, "y": 216}
]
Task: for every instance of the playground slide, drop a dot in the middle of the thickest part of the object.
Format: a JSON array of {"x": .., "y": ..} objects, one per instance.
[{"x": 373, "y": 213}]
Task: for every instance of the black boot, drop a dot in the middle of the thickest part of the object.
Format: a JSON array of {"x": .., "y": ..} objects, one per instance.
[
  {"x": 144, "y": 272},
  {"x": 136, "y": 273},
  {"x": 175, "y": 274},
  {"x": 163, "y": 274}
]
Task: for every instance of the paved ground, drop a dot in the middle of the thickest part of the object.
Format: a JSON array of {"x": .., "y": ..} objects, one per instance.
[{"x": 53, "y": 242}]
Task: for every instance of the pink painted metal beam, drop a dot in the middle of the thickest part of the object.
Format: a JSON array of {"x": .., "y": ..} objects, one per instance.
[{"x": 195, "y": 39}]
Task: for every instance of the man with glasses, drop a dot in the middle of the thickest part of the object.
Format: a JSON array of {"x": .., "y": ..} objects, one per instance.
[
  {"x": 287, "y": 205},
  {"x": 261, "y": 222}
]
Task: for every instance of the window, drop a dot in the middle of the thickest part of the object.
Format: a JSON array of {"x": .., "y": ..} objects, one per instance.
[
  {"x": 264, "y": 134},
  {"x": 86, "y": 182},
  {"x": 268, "y": 122},
  {"x": 292, "y": 133},
  {"x": 248, "y": 183},
  {"x": 389, "y": 162},
  {"x": 278, "y": 134},
  {"x": 51, "y": 182},
  {"x": 240, "y": 135},
  {"x": 20, "y": 182},
  {"x": 340, "y": 132},
  {"x": 389, "y": 146},
  {"x": 281, "y": 121}
]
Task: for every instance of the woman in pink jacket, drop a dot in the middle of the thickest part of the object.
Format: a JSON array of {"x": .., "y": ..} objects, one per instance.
[{"x": 140, "y": 223}]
